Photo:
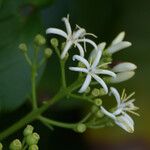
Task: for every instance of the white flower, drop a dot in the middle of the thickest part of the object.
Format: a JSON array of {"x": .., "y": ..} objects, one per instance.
[
  {"x": 92, "y": 70},
  {"x": 119, "y": 115},
  {"x": 118, "y": 43},
  {"x": 72, "y": 37}
]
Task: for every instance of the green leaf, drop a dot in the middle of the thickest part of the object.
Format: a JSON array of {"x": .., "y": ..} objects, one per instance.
[{"x": 18, "y": 23}]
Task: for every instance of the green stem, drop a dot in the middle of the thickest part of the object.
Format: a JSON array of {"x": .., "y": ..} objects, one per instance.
[
  {"x": 57, "y": 123},
  {"x": 63, "y": 77}
]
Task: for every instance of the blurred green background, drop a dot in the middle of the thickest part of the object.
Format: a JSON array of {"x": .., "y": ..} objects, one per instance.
[{"x": 22, "y": 20}]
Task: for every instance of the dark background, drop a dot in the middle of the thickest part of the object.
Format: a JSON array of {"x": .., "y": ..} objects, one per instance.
[{"x": 21, "y": 20}]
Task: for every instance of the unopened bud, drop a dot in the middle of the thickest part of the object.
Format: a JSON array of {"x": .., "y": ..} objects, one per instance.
[
  {"x": 54, "y": 42},
  {"x": 99, "y": 114},
  {"x": 32, "y": 139},
  {"x": 102, "y": 91},
  {"x": 15, "y": 145},
  {"x": 95, "y": 92},
  {"x": 40, "y": 40},
  {"x": 28, "y": 130},
  {"x": 122, "y": 76},
  {"x": 81, "y": 128},
  {"x": 48, "y": 52},
  {"x": 88, "y": 89},
  {"x": 94, "y": 109},
  {"x": 33, "y": 147},
  {"x": 23, "y": 47},
  {"x": 1, "y": 146},
  {"x": 98, "y": 102}
]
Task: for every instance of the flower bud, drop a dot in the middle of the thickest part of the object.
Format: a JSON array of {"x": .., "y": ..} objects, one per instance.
[
  {"x": 48, "y": 52},
  {"x": 88, "y": 89},
  {"x": 119, "y": 38},
  {"x": 40, "y": 40},
  {"x": 33, "y": 147},
  {"x": 28, "y": 130},
  {"x": 98, "y": 102},
  {"x": 94, "y": 109},
  {"x": 15, "y": 145},
  {"x": 122, "y": 76},
  {"x": 99, "y": 114},
  {"x": 1, "y": 146},
  {"x": 125, "y": 66},
  {"x": 102, "y": 91},
  {"x": 54, "y": 42},
  {"x": 81, "y": 128},
  {"x": 32, "y": 139},
  {"x": 95, "y": 92},
  {"x": 23, "y": 47}
]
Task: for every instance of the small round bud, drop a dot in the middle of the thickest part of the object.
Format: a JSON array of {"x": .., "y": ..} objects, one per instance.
[
  {"x": 39, "y": 40},
  {"x": 99, "y": 114},
  {"x": 1, "y": 146},
  {"x": 48, "y": 52},
  {"x": 102, "y": 91},
  {"x": 88, "y": 90},
  {"x": 33, "y": 147},
  {"x": 94, "y": 109},
  {"x": 98, "y": 102},
  {"x": 81, "y": 128},
  {"x": 54, "y": 42},
  {"x": 23, "y": 47},
  {"x": 15, "y": 145},
  {"x": 28, "y": 130},
  {"x": 95, "y": 92},
  {"x": 32, "y": 139}
]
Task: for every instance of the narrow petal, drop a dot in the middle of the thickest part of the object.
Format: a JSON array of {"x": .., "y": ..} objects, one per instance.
[
  {"x": 118, "y": 38},
  {"x": 81, "y": 50},
  {"x": 56, "y": 31},
  {"x": 101, "y": 46},
  {"x": 79, "y": 33},
  {"x": 85, "y": 84},
  {"x": 107, "y": 113},
  {"x": 78, "y": 69},
  {"x": 115, "y": 92},
  {"x": 81, "y": 59},
  {"x": 66, "y": 48},
  {"x": 107, "y": 72},
  {"x": 119, "y": 46},
  {"x": 100, "y": 81},
  {"x": 125, "y": 66},
  {"x": 97, "y": 59},
  {"x": 88, "y": 41},
  {"x": 67, "y": 24}
]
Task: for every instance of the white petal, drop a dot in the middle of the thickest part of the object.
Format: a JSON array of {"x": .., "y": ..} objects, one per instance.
[
  {"x": 122, "y": 76},
  {"x": 107, "y": 72},
  {"x": 85, "y": 84},
  {"x": 81, "y": 59},
  {"x": 89, "y": 41},
  {"x": 116, "y": 94},
  {"x": 107, "y": 113},
  {"x": 125, "y": 66},
  {"x": 78, "y": 69},
  {"x": 119, "y": 46},
  {"x": 56, "y": 31},
  {"x": 100, "y": 81},
  {"x": 67, "y": 24},
  {"x": 81, "y": 50},
  {"x": 97, "y": 59},
  {"x": 101, "y": 46},
  {"x": 66, "y": 48},
  {"x": 79, "y": 33},
  {"x": 118, "y": 38}
]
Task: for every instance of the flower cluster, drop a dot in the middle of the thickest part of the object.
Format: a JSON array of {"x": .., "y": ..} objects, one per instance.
[{"x": 99, "y": 66}]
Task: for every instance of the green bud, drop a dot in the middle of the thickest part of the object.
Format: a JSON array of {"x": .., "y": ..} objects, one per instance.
[
  {"x": 23, "y": 47},
  {"x": 102, "y": 91},
  {"x": 99, "y": 114},
  {"x": 15, "y": 145},
  {"x": 32, "y": 139},
  {"x": 1, "y": 146},
  {"x": 94, "y": 109},
  {"x": 81, "y": 128},
  {"x": 95, "y": 92},
  {"x": 39, "y": 40},
  {"x": 48, "y": 52},
  {"x": 54, "y": 42},
  {"x": 88, "y": 90},
  {"x": 98, "y": 102},
  {"x": 28, "y": 130},
  {"x": 33, "y": 147}
]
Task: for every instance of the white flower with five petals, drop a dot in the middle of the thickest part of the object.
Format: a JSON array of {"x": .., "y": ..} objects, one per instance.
[
  {"x": 119, "y": 115},
  {"x": 72, "y": 37},
  {"x": 92, "y": 70}
]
